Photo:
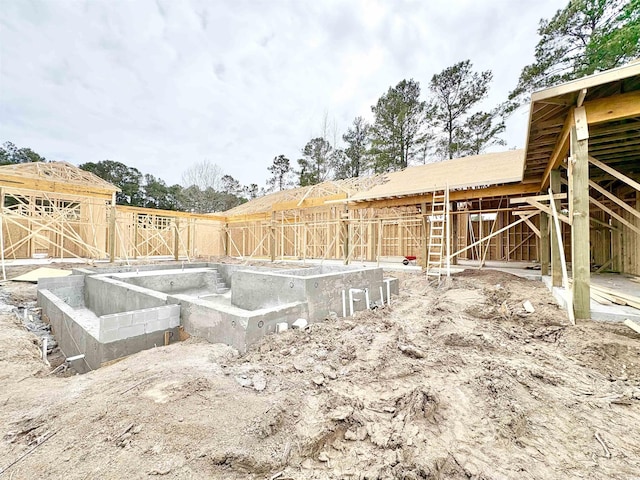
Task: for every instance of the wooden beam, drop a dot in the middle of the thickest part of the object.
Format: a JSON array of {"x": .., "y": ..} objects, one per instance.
[
  {"x": 531, "y": 225},
  {"x": 23, "y": 183},
  {"x": 307, "y": 202},
  {"x": 615, "y": 199},
  {"x": 538, "y": 198},
  {"x": 581, "y": 96},
  {"x": 616, "y": 107},
  {"x": 615, "y": 215},
  {"x": 580, "y": 245},
  {"x": 632, "y": 183},
  {"x": 560, "y": 150},
  {"x": 457, "y": 195}
]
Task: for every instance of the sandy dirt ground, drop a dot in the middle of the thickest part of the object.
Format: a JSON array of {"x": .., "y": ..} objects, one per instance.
[{"x": 450, "y": 383}]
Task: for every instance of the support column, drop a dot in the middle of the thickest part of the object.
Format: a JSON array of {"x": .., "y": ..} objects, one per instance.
[
  {"x": 544, "y": 253},
  {"x": 556, "y": 267},
  {"x": 580, "y": 245}
]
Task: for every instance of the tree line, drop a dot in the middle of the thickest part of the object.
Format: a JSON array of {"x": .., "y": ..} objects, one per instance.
[
  {"x": 408, "y": 128},
  {"x": 585, "y": 37},
  {"x": 204, "y": 188}
]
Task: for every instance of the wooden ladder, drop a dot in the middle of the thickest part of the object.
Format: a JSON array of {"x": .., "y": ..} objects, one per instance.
[{"x": 438, "y": 230}]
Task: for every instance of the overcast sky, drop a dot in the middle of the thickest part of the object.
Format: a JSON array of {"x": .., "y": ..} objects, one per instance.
[{"x": 161, "y": 85}]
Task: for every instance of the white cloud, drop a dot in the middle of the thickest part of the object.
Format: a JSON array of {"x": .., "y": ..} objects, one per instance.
[{"x": 161, "y": 85}]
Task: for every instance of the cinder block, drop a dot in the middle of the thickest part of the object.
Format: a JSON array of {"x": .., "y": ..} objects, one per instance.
[
  {"x": 124, "y": 319},
  {"x": 174, "y": 321},
  {"x": 156, "y": 325},
  {"x": 109, "y": 322},
  {"x": 140, "y": 317},
  {"x": 131, "y": 331},
  {"x": 107, "y": 336}
]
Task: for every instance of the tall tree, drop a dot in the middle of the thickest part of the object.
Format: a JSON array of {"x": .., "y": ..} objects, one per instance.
[
  {"x": 158, "y": 195},
  {"x": 280, "y": 170},
  {"x": 251, "y": 191},
  {"x": 231, "y": 193},
  {"x": 316, "y": 163},
  {"x": 455, "y": 90},
  {"x": 480, "y": 131},
  {"x": 128, "y": 179},
  {"x": 353, "y": 163},
  {"x": 584, "y": 37},
  {"x": 398, "y": 131}
]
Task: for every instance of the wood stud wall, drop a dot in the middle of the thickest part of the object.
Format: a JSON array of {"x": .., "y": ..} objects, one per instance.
[{"x": 67, "y": 226}]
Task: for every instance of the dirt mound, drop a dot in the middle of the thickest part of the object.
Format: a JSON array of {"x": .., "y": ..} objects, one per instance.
[{"x": 457, "y": 382}]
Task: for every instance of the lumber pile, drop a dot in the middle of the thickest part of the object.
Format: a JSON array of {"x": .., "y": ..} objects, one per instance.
[{"x": 607, "y": 296}]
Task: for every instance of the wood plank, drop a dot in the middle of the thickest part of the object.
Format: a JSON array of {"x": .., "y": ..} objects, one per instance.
[
  {"x": 615, "y": 215},
  {"x": 632, "y": 325},
  {"x": 565, "y": 276},
  {"x": 537, "y": 198},
  {"x": 632, "y": 183},
  {"x": 627, "y": 297},
  {"x": 600, "y": 299},
  {"x": 615, "y": 199},
  {"x": 532, "y": 226},
  {"x": 556, "y": 270}
]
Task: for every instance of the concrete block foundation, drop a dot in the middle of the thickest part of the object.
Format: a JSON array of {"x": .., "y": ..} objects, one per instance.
[{"x": 109, "y": 313}]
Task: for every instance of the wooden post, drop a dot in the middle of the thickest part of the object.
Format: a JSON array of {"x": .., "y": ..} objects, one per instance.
[
  {"x": 379, "y": 241},
  {"x": 454, "y": 230},
  {"x": 544, "y": 253},
  {"x": 189, "y": 250},
  {"x": 112, "y": 230},
  {"x": 176, "y": 239},
  {"x": 447, "y": 219},
  {"x": 344, "y": 227},
  {"x": 425, "y": 237},
  {"x": 556, "y": 270},
  {"x": 227, "y": 240},
  {"x": 272, "y": 237},
  {"x": 135, "y": 235},
  {"x": 580, "y": 245}
]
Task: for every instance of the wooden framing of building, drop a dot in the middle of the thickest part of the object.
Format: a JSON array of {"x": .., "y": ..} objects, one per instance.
[
  {"x": 584, "y": 141},
  {"x": 57, "y": 210},
  {"x": 582, "y": 153}
]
